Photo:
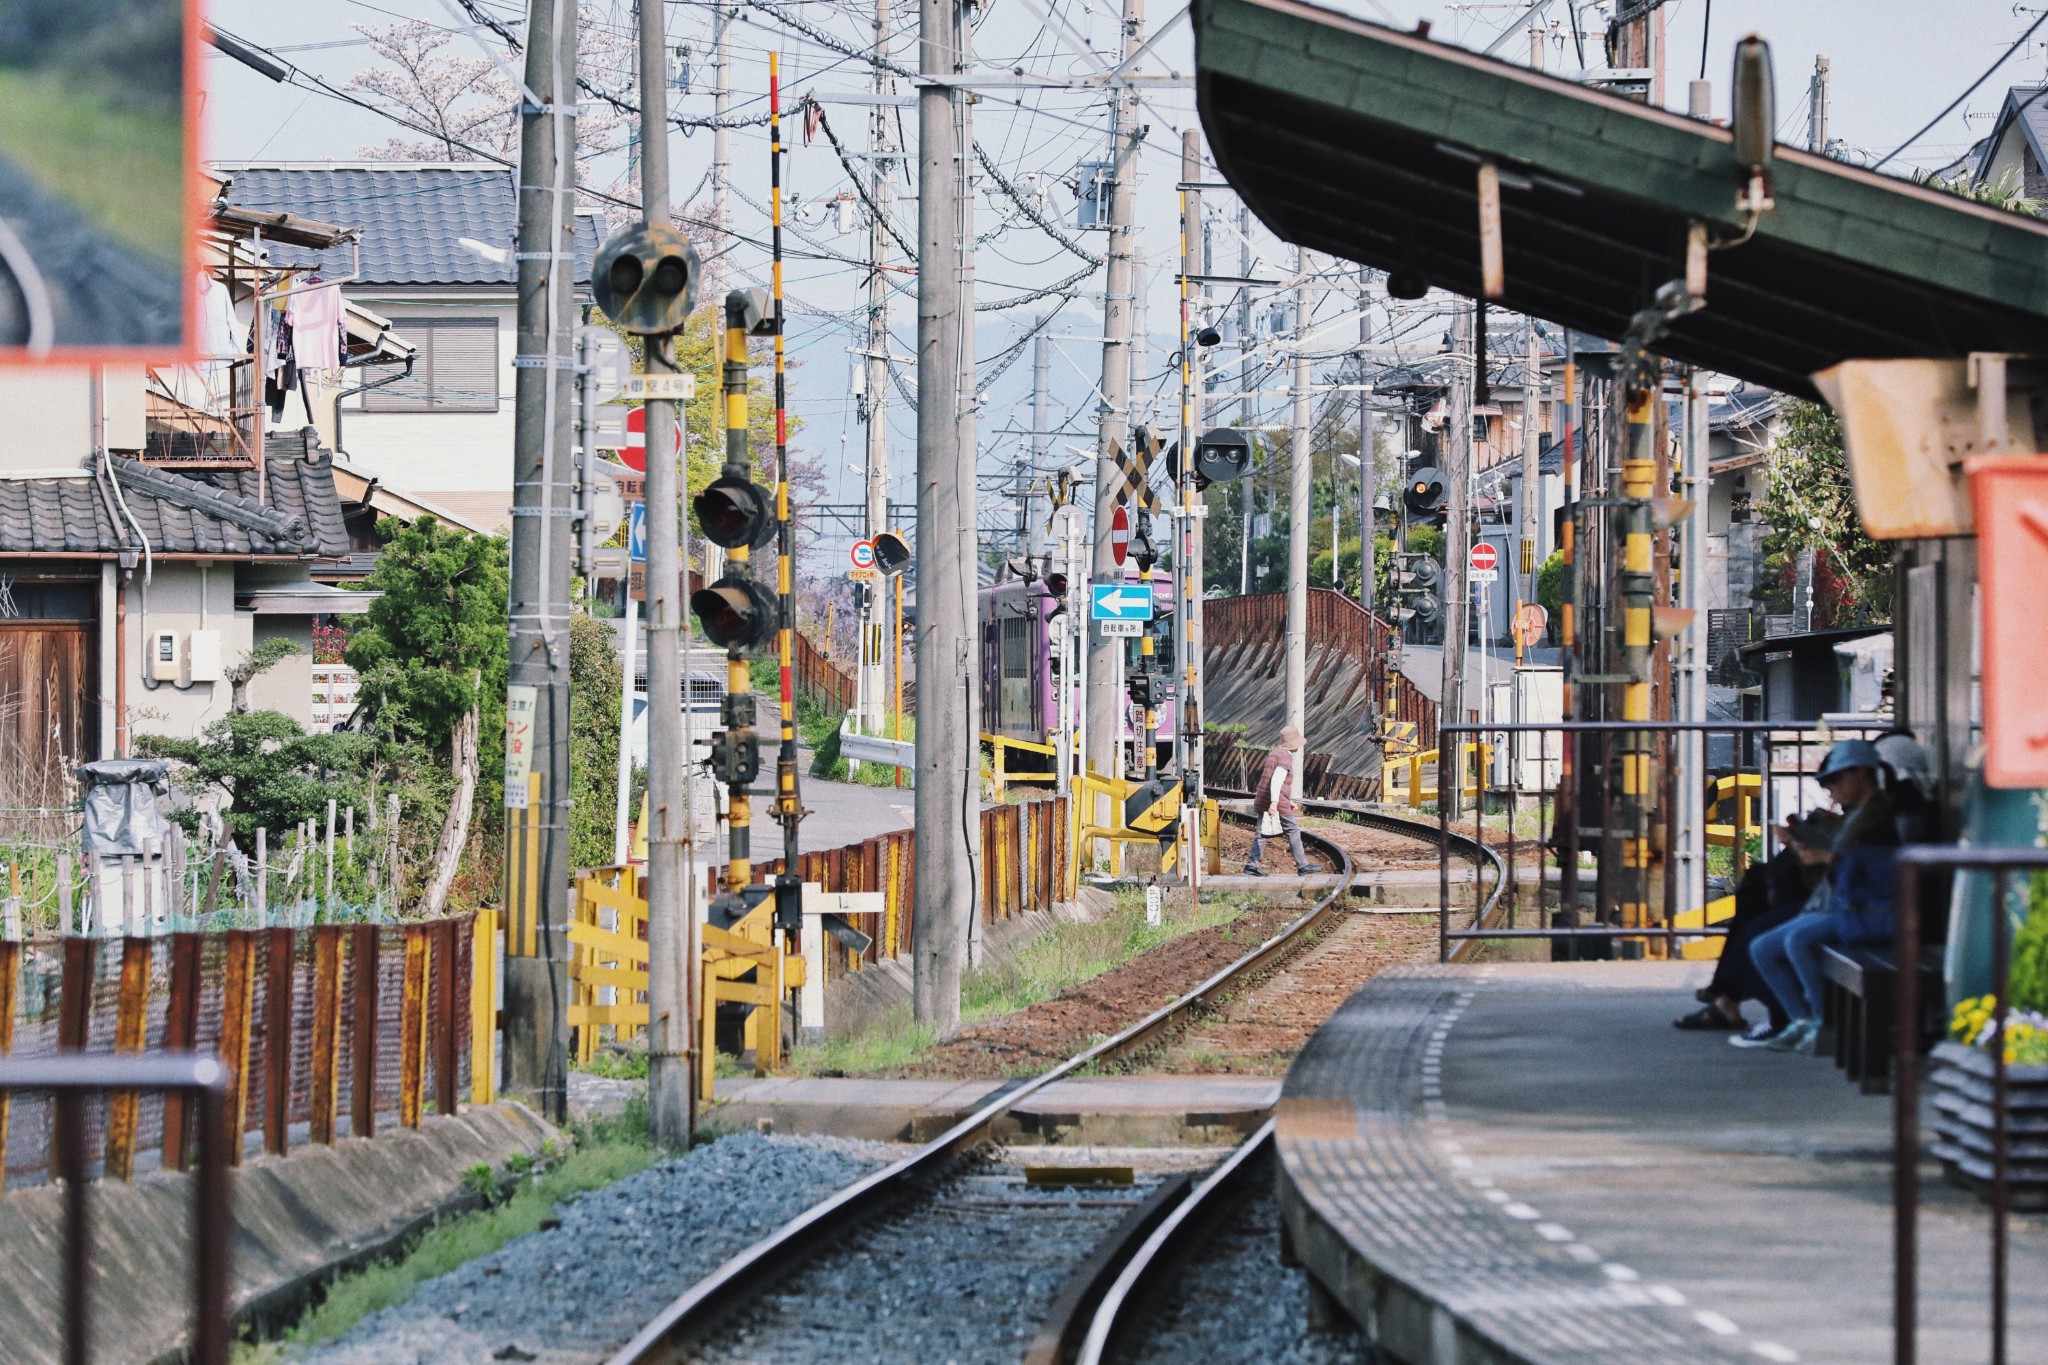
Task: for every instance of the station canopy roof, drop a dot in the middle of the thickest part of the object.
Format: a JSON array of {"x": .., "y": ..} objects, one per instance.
[{"x": 1363, "y": 141}]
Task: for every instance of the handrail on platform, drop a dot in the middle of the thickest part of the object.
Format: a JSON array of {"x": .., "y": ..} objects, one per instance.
[
  {"x": 1582, "y": 814},
  {"x": 2002, "y": 863}
]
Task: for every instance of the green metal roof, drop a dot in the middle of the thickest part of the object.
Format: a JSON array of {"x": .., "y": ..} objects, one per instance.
[{"x": 1358, "y": 140}]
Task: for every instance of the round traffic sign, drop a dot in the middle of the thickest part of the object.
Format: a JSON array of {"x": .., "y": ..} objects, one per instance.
[
  {"x": 1484, "y": 557},
  {"x": 634, "y": 453},
  {"x": 863, "y": 554},
  {"x": 1119, "y": 536}
]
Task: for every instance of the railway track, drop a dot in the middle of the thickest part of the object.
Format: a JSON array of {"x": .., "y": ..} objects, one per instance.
[{"x": 892, "y": 1231}]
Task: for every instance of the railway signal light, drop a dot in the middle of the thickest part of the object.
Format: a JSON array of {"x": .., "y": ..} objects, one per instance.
[
  {"x": 735, "y": 757},
  {"x": 734, "y": 510},
  {"x": 1222, "y": 455},
  {"x": 1425, "y": 493},
  {"x": 1056, "y": 588},
  {"x": 645, "y": 279},
  {"x": 736, "y": 613}
]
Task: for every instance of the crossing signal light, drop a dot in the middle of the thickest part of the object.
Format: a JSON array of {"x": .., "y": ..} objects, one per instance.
[
  {"x": 1424, "y": 495},
  {"x": 1416, "y": 580},
  {"x": 735, "y": 511},
  {"x": 645, "y": 279},
  {"x": 892, "y": 553},
  {"x": 736, "y": 613}
]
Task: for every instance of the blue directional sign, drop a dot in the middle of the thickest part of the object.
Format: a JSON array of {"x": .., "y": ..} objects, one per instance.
[
  {"x": 1120, "y": 602},
  {"x": 636, "y": 534}
]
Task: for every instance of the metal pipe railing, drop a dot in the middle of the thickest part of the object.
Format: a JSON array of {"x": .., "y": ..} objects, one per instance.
[
  {"x": 1579, "y": 741},
  {"x": 73, "y": 1076},
  {"x": 2002, "y": 863}
]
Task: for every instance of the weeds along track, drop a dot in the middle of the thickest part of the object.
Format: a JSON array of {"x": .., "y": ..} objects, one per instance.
[{"x": 944, "y": 1211}]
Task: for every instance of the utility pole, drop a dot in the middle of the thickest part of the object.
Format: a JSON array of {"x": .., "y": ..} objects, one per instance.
[
  {"x": 721, "y": 111},
  {"x": 1532, "y": 478},
  {"x": 1247, "y": 407},
  {"x": 1105, "y": 705},
  {"x": 876, "y": 385},
  {"x": 536, "y": 978},
  {"x": 1368, "y": 464},
  {"x": 1817, "y": 108},
  {"x": 1300, "y": 486},
  {"x": 1457, "y": 536},
  {"x": 1194, "y": 260},
  {"x": 671, "y": 925},
  {"x": 947, "y": 797}
]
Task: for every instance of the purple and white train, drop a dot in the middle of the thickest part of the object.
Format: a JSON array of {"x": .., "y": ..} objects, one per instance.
[{"x": 1020, "y": 682}]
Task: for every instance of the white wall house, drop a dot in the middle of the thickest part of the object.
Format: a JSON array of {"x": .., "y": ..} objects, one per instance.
[
  {"x": 433, "y": 256},
  {"x": 152, "y": 533}
]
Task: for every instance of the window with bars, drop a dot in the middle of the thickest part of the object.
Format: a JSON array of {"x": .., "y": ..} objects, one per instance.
[{"x": 455, "y": 370}]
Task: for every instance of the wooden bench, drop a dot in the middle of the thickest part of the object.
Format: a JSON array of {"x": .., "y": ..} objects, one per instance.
[{"x": 1859, "y": 1009}]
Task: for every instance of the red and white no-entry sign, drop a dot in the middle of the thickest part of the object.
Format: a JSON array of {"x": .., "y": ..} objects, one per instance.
[
  {"x": 634, "y": 453},
  {"x": 1119, "y": 536},
  {"x": 1485, "y": 559}
]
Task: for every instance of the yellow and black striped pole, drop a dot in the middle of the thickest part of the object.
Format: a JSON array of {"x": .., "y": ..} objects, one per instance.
[
  {"x": 788, "y": 806},
  {"x": 739, "y": 683},
  {"x": 1636, "y": 584}
]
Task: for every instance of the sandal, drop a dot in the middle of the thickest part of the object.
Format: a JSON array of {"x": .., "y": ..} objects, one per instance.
[{"x": 1706, "y": 1017}]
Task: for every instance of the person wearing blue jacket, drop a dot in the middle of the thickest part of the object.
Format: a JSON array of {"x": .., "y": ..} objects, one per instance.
[{"x": 1856, "y": 903}]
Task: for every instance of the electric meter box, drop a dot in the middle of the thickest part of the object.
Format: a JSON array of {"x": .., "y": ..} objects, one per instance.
[{"x": 163, "y": 656}]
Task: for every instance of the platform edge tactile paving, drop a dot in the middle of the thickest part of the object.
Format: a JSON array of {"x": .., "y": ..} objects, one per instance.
[{"x": 1374, "y": 1209}]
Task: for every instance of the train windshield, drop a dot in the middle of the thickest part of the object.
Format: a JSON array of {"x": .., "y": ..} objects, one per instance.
[{"x": 1162, "y": 646}]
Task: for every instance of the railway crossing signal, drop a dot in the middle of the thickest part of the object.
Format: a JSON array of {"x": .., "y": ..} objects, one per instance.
[
  {"x": 738, "y": 614},
  {"x": 1416, "y": 577},
  {"x": 645, "y": 279},
  {"x": 1424, "y": 496},
  {"x": 734, "y": 510}
]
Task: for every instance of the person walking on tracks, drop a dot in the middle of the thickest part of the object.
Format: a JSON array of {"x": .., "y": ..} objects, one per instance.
[{"x": 1273, "y": 802}]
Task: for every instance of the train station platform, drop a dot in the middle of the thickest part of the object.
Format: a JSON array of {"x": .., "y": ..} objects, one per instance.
[{"x": 1527, "y": 1163}]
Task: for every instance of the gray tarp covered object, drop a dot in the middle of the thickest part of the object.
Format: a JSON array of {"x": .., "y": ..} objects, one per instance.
[{"x": 121, "y": 810}]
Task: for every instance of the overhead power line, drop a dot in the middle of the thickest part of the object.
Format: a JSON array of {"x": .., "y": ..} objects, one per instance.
[{"x": 2005, "y": 57}]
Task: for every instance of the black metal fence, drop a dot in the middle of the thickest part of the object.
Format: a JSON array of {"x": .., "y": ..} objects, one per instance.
[
  {"x": 1568, "y": 782},
  {"x": 1914, "y": 862}
]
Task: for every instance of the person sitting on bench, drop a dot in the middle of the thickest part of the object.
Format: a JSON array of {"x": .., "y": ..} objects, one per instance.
[
  {"x": 1859, "y": 897},
  {"x": 1768, "y": 895}
]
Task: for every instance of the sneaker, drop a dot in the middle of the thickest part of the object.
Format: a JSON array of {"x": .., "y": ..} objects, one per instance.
[
  {"x": 1254, "y": 870},
  {"x": 1797, "y": 1037},
  {"x": 1306, "y": 871},
  {"x": 1759, "y": 1035}
]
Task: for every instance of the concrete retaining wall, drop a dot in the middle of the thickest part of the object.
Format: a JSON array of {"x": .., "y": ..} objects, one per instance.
[{"x": 299, "y": 1220}]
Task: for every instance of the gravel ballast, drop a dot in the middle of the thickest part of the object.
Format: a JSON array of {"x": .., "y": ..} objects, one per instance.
[
  {"x": 577, "y": 1291},
  {"x": 1235, "y": 1301}
]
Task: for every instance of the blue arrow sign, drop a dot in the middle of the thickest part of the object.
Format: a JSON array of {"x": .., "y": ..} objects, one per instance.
[
  {"x": 1120, "y": 602},
  {"x": 636, "y": 534}
]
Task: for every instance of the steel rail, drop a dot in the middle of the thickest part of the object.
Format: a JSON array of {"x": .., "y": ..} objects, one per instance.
[
  {"x": 1358, "y": 812},
  {"x": 1073, "y": 1308},
  {"x": 1170, "y": 1244},
  {"x": 751, "y": 1273}
]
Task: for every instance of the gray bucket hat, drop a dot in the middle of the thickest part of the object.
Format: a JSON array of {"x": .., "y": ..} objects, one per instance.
[{"x": 1847, "y": 754}]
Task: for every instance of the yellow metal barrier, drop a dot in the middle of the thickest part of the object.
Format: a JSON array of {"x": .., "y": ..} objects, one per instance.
[
  {"x": 1000, "y": 773},
  {"x": 483, "y": 1005},
  {"x": 746, "y": 964},
  {"x": 1401, "y": 779},
  {"x": 1743, "y": 790},
  {"x": 1090, "y": 790},
  {"x": 1705, "y": 949},
  {"x": 607, "y": 952}
]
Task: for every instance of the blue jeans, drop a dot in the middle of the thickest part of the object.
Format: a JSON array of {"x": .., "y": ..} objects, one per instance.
[{"x": 1789, "y": 959}]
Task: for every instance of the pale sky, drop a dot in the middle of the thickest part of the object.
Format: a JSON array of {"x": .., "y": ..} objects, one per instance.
[{"x": 1895, "y": 63}]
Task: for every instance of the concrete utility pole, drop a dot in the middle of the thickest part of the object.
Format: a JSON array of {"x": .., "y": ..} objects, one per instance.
[
  {"x": 873, "y": 670},
  {"x": 536, "y": 978},
  {"x": 1368, "y": 463},
  {"x": 1532, "y": 477},
  {"x": 1194, "y": 260},
  {"x": 1817, "y": 107},
  {"x": 1300, "y": 486},
  {"x": 1457, "y": 538},
  {"x": 671, "y": 927},
  {"x": 1105, "y": 705},
  {"x": 947, "y": 801}
]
